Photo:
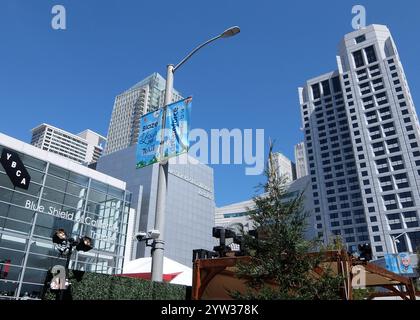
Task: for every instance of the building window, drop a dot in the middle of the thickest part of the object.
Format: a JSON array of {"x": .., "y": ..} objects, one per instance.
[
  {"x": 401, "y": 181},
  {"x": 316, "y": 91},
  {"x": 336, "y": 84},
  {"x": 410, "y": 214},
  {"x": 334, "y": 216},
  {"x": 326, "y": 88},
  {"x": 412, "y": 224},
  {"x": 363, "y": 238},
  {"x": 390, "y": 202},
  {"x": 360, "y": 39},
  {"x": 406, "y": 199},
  {"x": 370, "y": 54},
  {"x": 349, "y": 230},
  {"x": 395, "y": 226},
  {"x": 358, "y": 59}
]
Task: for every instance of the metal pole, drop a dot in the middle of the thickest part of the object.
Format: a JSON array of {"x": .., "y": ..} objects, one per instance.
[
  {"x": 394, "y": 242},
  {"x": 194, "y": 51},
  {"x": 67, "y": 275},
  {"x": 159, "y": 243},
  {"x": 68, "y": 258}
]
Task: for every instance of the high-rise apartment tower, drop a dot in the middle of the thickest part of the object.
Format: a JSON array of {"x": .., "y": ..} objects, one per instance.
[
  {"x": 146, "y": 96},
  {"x": 363, "y": 146}
]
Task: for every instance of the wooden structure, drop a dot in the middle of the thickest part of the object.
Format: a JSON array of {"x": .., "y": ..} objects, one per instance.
[{"x": 214, "y": 278}]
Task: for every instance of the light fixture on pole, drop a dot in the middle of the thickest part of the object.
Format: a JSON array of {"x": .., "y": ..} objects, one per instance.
[
  {"x": 159, "y": 243},
  {"x": 65, "y": 246}
]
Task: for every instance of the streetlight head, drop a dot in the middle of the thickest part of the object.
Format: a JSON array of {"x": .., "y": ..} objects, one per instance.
[
  {"x": 230, "y": 32},
  {"x": 84, "y": 244},
  {"x": 59, "y": 236}
]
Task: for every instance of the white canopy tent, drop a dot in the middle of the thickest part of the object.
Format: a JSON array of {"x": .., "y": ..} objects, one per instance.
[{"x": 173, "y": 272}]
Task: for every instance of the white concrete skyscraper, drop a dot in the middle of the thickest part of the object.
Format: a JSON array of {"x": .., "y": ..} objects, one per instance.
[
  {"x": 85, "y": 147},
  {"x": 285, "y": 166},
  {"x": 362, "y": 138},
  {"x": 129, "y": 106}
]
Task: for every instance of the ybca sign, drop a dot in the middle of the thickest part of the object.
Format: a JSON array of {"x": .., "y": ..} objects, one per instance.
[{"x": 15, "y": 169}]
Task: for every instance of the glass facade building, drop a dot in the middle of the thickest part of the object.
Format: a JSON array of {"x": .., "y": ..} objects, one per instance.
[{"x": 61, "y": 194}]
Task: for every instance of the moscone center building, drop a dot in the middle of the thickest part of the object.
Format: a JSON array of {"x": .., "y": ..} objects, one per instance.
[{"x": 61, "y": 194}]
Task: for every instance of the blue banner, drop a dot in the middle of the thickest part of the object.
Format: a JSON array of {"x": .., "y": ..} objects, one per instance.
[
  {"x": 404, "y": 263},
  {"x": 391, "y": 263},
  {"x": 149, "y": 141},
  {"x": 399, "y": 263},
  {"x": 177, "y": 127}
]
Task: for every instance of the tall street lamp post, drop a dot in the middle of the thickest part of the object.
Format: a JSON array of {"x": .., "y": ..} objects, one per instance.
[{"x": 159, "y": 243}]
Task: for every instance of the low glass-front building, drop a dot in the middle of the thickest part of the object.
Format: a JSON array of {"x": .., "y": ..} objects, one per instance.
[{"x": 61, "y": 195}]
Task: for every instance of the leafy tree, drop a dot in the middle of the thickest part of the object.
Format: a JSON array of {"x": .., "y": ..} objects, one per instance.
[
  {"x": 362, "y": 294},
  {"x": 336, "y": 243},
  {"x": 281, "y": 266}
]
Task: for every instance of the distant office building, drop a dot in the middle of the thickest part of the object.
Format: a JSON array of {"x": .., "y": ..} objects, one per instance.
[
  {"x": 96, "y": 145},
  {"x": 285, "y": 166},
  {"x": 300, "y": 158},
  {"x": 61, "y": 194},
  {"x": 145, "y": 96},
  {"x": 363, "y": 145},
  {"x": 190, "y": 203},
  {"x": 85, "y": 147},
  {"x": 236, "y": 215}
]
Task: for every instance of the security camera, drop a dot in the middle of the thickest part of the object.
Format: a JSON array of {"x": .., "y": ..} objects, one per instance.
[
  {"x": 154, "y": 234},
  {"x": 141, "y": 236}
]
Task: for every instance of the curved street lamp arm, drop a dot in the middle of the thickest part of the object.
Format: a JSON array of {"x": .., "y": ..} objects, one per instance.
[
  {"x": 194, "y": 51},
  {"x": 400, "y": 235}
]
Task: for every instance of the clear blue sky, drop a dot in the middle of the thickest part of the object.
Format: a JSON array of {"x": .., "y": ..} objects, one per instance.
[{"x": 70, "y": 78}]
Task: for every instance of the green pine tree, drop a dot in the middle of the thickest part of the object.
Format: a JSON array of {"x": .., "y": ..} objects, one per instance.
[{"x": 280, "y": 266}]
